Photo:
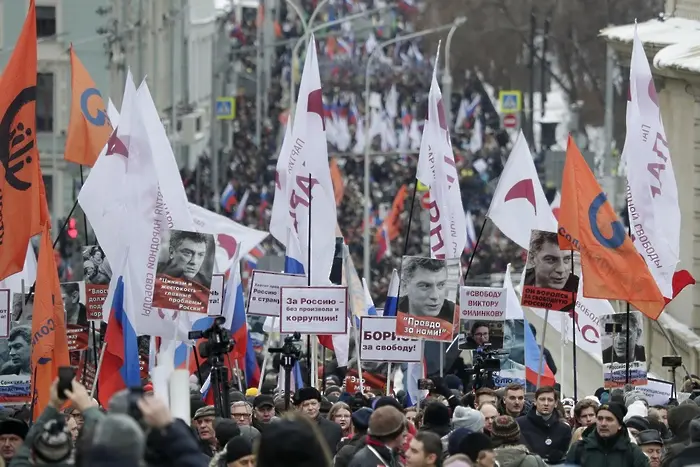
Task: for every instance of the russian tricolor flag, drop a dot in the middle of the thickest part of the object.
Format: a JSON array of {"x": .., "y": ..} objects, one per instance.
[
  {"x": 384, "y": 247},
  {"x": 532, "y": 361},
  {"x": 471, "y": 234},
  {"x": 207, "y": 393},
  {"x": 120, "y": 365},
  {"x": 392, "y": 298},
  {"x": 411, "y": 374},
  {"x": 228, "y": 198}
]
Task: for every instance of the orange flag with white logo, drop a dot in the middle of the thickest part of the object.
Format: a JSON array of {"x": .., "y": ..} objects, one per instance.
[
  {"x": 23, "y": 208},
  {"x": 612, "y": 268},
  {"x": 89, "y": 127},
  {"x": 49, "y": 343}
]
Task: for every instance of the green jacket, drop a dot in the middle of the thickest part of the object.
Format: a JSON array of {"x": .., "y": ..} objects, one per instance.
[
  {"x": 21, "y": 459},
  {"x": 591, "y": 451}
]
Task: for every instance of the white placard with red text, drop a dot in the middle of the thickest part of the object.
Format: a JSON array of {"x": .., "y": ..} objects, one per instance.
[
  {"x": 314, "y": 310},
  {"x": 264, "y": 296},
  {"x": 483, "y": 303},
  {"x": 216, "y": 295},
  {"x": 379, "y": 342}
]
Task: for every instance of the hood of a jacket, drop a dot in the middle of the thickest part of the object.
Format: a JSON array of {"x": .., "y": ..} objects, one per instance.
[
  {"x": 511, "y": 456},
  {"x": 219, "y": 459}
]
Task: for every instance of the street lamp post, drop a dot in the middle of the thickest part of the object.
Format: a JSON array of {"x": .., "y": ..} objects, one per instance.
[
  {"x": 366, "y": 252},
  {"x": 304, "y": 38},
  {"x": 447, "y": 76},
  {"x": 300, "y": 13}
]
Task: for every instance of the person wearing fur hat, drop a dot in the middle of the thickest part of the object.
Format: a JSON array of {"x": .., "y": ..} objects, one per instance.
[
  {"x": 510, "y": 452},
  {"x": 607, "y": 444},
  {"x": 385, "y": 437},
  {"x": 308, "y": 401}
]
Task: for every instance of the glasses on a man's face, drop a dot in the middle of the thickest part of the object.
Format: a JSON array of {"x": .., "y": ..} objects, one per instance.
[{"x": 241, "y": 416}]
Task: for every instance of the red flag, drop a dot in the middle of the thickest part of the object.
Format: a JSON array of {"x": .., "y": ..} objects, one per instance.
[{"x": 49, "y": 342}]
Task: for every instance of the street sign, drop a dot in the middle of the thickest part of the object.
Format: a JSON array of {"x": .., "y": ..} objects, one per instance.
[
  {"x": 511, "y": 101},
  {"x": 510, "y": 121},
  {"x": 225, "y": 108}
]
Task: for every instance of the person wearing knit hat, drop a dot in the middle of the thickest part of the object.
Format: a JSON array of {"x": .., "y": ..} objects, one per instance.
[
  {"x": 348, "y": 447},
  {"x": 509, "y": 450},
  {"x": 636, "y": 424},
  {"x": 239, "y": 453},
  {"x": 454, "y": 438},
  {"x": 479, "y": 448},
  {"x": 308, "y": 401},
  {"x": 634, "y": 396},
  {"x": 53, "y": 445},
  {"x": 608, "y": 443},
  {"x": 436, "y": 418},
  {"x": 384, "y": 436},
  {"x": 332, "y": 390},
  {"x": 466, "y": 417}
]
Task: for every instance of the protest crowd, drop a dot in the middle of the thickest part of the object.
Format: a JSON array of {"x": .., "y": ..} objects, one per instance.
[{"x": 445, "y": 417}]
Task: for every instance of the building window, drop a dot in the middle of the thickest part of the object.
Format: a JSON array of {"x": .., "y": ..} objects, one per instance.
[
  {"x": 198, "y": 124},
  {"x": 44, "y": 102},
  {"x": 45, "y": 21},
  {"x": 48, "y": 185}
]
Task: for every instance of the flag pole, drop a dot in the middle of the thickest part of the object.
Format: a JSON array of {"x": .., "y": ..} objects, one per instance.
[
  {"x": 85, "y": 224},
  {"x": 540, "y": 366},
  {"x": 573, "y": 331},
  {"x": 627, "y": 331},
  {"x": 97, "y": 372},
  {"x": 308, "y": 283},
  {"x": 476, "y": 245}
]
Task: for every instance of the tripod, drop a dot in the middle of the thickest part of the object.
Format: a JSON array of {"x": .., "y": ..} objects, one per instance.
[
  {"x": 220, "y": 386},
  {"x": 287, "y": 362}
]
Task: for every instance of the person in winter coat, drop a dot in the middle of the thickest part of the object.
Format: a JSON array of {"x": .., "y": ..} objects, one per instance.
[
  {"x": 308, "y": 401},
  {"x": 294, "y": 441},
  {"x": 37, "y": 444},
  {"x": 505, "y": 434},
  {"x": 467, "y": 418},
  {"x": 545, "y": 434},
  {"x": 679, "y": 419},
  {"x": 690, "y": 454},
  {"x": 348, "y": 448},
  {"x": 436, "y": 418},
  {"x": 608, "y": 443},
  {"x": 384, "y": 437}
]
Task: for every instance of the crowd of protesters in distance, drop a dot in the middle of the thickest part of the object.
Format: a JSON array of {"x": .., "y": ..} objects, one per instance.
[
  {"x": 249, "y": 166},
  {"x": 450, "y": 426}
]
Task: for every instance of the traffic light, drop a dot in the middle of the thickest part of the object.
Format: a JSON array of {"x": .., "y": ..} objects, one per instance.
[
  {"x": 72, "y": 228},
  {"x": 63, "y": 241}
]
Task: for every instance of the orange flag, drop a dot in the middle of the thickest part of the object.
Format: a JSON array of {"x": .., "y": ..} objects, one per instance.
[
  {"x": 612, "y": 267},
  {"x": 49, "y": 343},
  {"x": 338, "y": 183},
  {"x": 393, "y": 219},
  {"x": 23, "y": 208},
  {"x": 89, "y": 127}
]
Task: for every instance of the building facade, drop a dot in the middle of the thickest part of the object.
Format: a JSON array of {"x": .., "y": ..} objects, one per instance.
[{"x": 671, "y": 45}]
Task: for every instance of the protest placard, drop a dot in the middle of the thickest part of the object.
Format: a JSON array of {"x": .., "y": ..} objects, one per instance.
[
  {"x": 77, "y": 336},
  {"x": 426, "y": 308},
  {"x": 184, "y": 271},
  {"x": 4, "y": 313},
  {"x": 484, "y": 303},
  {"x": 551, "y": 278},
  {"x": 96, "y": 275},
  {"x": 622, "y": 340},
  {"x": 264, "y": 296},
  {"x": 379, "y": 342},
  {"x": 370, "y": 381},
  {"x": 314, "y": 310},
  {"x": 657, "y": 391},
  {"x": 216, "y": 295}
]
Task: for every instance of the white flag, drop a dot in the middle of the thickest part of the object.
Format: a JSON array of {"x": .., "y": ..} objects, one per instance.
[
  {"x": 279, "y": 220},
  {"x": 652, "y": 196},
  {"x": 309, "y": 189},
  {"x": 437, "y": 169},
  {"x": 519, "y": 205}
]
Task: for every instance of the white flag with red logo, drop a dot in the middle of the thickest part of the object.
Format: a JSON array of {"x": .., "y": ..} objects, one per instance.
[
  {"x": 652, "y": 195},
  {"x": 519, "y": 205},
  {"x": 309, "y": 195},
  {"x": 436, "y": 169}
]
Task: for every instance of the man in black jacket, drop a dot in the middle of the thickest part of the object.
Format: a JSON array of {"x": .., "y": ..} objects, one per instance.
[
  {"x": 384, "y": 438},
  {"x": 544, "y": 433},
  {"x": 308, "y": 401}
]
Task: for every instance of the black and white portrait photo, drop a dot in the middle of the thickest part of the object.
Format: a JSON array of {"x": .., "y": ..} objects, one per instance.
[
  {"x": 17, "y": 359},
  {"x": 96, "y": 268},
  {"x": 73, "y": 296},
  {"x": 615, "y": 342}
]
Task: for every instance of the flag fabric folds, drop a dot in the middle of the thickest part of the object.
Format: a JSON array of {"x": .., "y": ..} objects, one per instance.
[
  {"x": 652, "y": 203},
  {"x": 533, "y": 354},
  {"x": 23, "y": 210},
  {"x": 519, "y": 205},
  {"x": 437, "y": 169},
  {"x": 338, "y": 183},
  {"x": 611, "y": 266},
  {"x": 89, "y": 127},
  {"x": 49, "y": 341},
  {"x": 120, "y": 365},
  {"x": 392, "y": 297}
]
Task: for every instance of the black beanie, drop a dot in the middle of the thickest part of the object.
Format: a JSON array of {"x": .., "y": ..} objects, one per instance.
[
  {"x": 237, "y": 448},
  {"x": 618, "y": 410},
  {"x": 436, "y": 414},
  {"x": 472, "y": 444}
]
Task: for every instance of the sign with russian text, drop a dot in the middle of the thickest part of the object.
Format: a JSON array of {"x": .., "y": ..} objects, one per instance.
[
  {"x": 97, "y": 273},
  {"x": 4, "y": 313},
  {"x": 264, "y": 296},
  {"x": 216, "y": 295},
  {"x": 379, "y": 342},
  {"x": 314, "y": 310},
  {"x": 485, "y": 303}
]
